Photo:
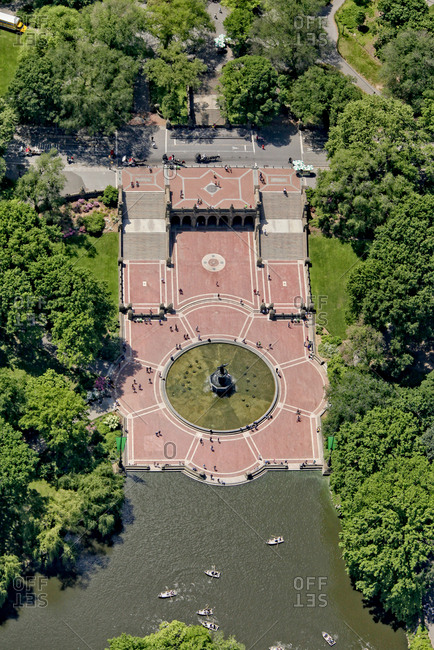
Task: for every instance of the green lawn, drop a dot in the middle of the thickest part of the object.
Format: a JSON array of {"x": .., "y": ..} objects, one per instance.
[
  {"x": 190, "y": 394},
  {"x": 355, "y": 46},
  {"x": 331, "y": 262},
  {"x": 9, "y": 51},
  {"x": 100, "y": 256}
]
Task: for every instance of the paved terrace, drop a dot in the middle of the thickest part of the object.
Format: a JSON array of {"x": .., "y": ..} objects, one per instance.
[{"x": 207, "y": 296}]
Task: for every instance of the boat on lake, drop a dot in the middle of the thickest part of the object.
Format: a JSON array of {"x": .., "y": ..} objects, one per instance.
[
  {"x": 213, "y": 573},
  {"x": 273, "y": 541},
  {"x": 167, "y": 594},
  {"x": 206, "y": 611},
  {"x": 330, "y": 640},
  {"x": 210, "y": 626}
]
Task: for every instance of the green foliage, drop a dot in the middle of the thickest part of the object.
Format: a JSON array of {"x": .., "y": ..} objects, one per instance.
[
  {"x": 248, "y": 90},
  {"x": 116, "y": 23},
  {"x": 74, "y": 79},
  {"x": 42, "y": 293},
  {"x": 398, "y": 13},
  {"x": 94, "y": 223},
  {"x": 393, "y": 288},
  {"x": 192, "y": 20},
  {"x": 42, "y": 183},
  {"x": 367, "y": 122},
  {"x": 367, "y": 444},
  {"x": 408, "y": 68},
  {"x": 290, "y": 35},
  {"x": 320, "y": 94},
  {"x": 364, "y": 346},
  {"x": 354, "y": 395},
  {"x": 177, "y": 636},
  {"x": 170, "y": 74},
  {"x": 110, "y": 196},
  {"x": 329, "y": 346},
  {"x": 377, "y": 160},
  {"x": 237, "y": 27},
  {"x": 387, "y": 537},
  {"x": 17, "y": 468},
  {"x": 10, "y": 569},
  {"x": 420, "y": 640},
  {"x": 61, "y": 423}
]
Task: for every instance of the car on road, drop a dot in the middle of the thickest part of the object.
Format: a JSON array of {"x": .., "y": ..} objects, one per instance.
[{"x": 200, "y": 158}]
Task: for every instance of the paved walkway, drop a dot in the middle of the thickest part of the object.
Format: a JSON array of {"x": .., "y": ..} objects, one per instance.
[
  {"x": 335, "y": 58},
  {"x": 210, "y": 301}
]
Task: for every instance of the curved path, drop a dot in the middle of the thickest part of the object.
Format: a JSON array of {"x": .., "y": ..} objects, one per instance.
[
  {"x": 335, "y": 58},
  {"x": 218, "y": 303}
]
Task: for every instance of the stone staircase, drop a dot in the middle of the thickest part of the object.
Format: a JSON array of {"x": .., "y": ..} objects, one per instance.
[
  {"x": 281, "y": 220},
  {"x": 144, "y": 226},
  {"x": 282, "y": 246}
]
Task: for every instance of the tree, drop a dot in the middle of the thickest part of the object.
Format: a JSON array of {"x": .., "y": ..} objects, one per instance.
[
  {"x": 367, "y": 444},
  {"x": 97, "y": 88},
  {"x": 177, "y": 636},
  {"x": 398, "y": 13},
  {"x": 116, "y": 23},
  {"x": 170, "y": 75},
  {"x": 393, "y": 288},
  {"x": 248, "y": 90},
  {"x": 10, "y": 569},
  {"x": 36, "y": 89},
  {"x": 55, "y": 413},
  {"x": 8, "y": 122},
  {"x": 408, "y": 68},
  {"x": 355, "y": 394},
  {"x": 73, "y": 79},
  {"x": 321, "y": 94},
  {"x": 377, "y": 160},
  {"x": 361, "y": 188},
  {"x": 290, "y": 34},
  {"x": 420, "y": 640},
  {"x": 364, "y": 346},
  {"x": 237, "y": 27},
  {"x": 367, "y": 122},
  {"x": 42, "y": 293},
  {"x": 77, "y": 307},
  {"x": 42, "y": 183},
  {"x": 17, "y": 468},
  {"x": 387, "y": 537},
  {"x": 192, "y": 19}
]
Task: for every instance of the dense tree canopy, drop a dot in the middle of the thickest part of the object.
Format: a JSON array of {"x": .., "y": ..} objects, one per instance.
[
  {"x": 320, "y": 94},
  {"x": 367, "y": 444},
  {"x": 387, "y": 539},
  {"x": 75, "y": 77},
  {"x": 366, "y": 123},
  {"x": 393, "y": 289},
  {"x": 408, "y": 68},
  {"x": 177, "y": 636},
  {"x": 192, "y": 19},
  {"x": 290, "y": 34},
  {"x": 43, "y": 293},
  {"x": 248, "y": 88},
  {"x": 170, "y": 74},
  {"x": 378, "y": 159},
  {"x": 42, "y": 183}
]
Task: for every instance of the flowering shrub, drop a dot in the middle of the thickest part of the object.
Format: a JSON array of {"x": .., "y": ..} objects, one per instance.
[{"x": 112, "y": 421}]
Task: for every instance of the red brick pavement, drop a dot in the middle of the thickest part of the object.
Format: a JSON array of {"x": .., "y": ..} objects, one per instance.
[{"x": 301, "y": 382}]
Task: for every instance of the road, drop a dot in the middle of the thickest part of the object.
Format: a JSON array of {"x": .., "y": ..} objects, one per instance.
[
  {"x": 335, "y": 58},
  {"x": 93, "y": 170}
]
